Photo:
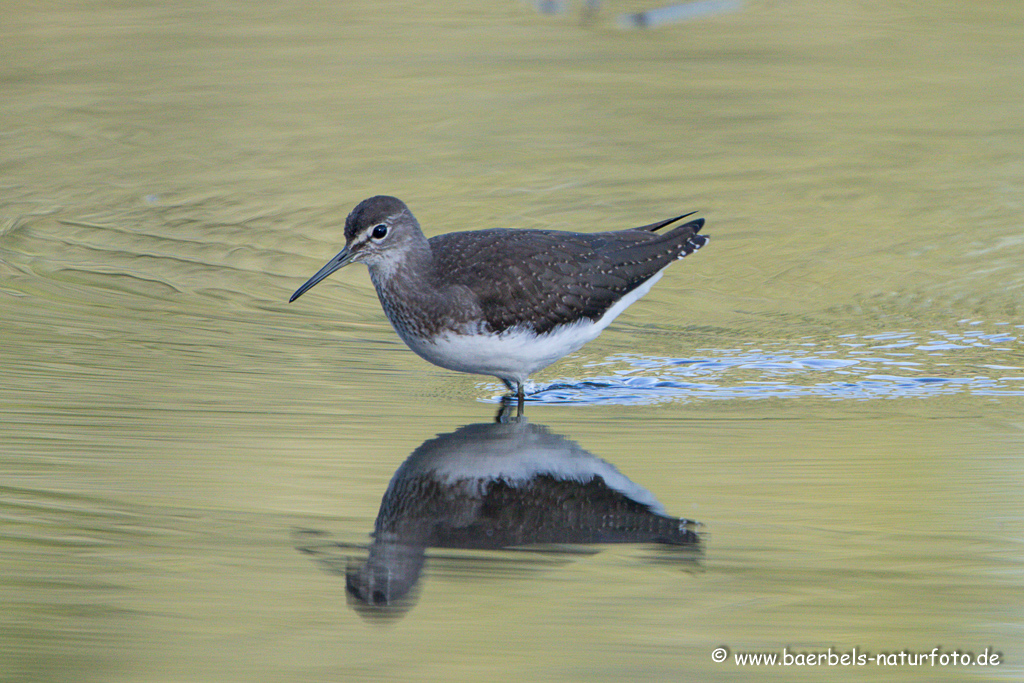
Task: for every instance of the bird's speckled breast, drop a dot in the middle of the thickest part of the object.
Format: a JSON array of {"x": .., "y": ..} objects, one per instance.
[{"x": 419, "y": 310}]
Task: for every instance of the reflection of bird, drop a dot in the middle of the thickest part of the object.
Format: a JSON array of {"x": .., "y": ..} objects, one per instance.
[
  {"x": 505, "y": 303},
  {"x": 490, "y": 486}
]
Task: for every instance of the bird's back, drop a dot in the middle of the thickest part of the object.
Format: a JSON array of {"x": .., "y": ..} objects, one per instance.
[{"x": 540, "y": 279}]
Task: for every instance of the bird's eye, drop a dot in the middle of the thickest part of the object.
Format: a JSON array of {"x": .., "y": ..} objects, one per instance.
[{"x": 379, "y": 232}]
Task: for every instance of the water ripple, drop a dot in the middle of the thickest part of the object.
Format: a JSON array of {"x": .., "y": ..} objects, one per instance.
[{"x": 850, "y": 367}]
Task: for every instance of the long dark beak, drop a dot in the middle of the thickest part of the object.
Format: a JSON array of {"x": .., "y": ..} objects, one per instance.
[{"x": 343, "y": 258}]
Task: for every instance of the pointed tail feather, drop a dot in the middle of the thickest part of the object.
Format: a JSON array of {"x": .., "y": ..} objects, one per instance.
[{"x": 668, "y": 221}]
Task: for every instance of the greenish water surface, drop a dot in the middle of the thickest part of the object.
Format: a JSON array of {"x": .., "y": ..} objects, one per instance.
[{"x": 833, "y": 388}]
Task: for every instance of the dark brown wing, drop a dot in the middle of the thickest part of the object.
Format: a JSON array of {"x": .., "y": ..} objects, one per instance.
[{"x": 540, "y": 279}]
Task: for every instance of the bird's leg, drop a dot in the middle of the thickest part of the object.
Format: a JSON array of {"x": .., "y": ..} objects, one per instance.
[
  {"x": 516, "y": 391},
  {"x": 504, "y": 415}
]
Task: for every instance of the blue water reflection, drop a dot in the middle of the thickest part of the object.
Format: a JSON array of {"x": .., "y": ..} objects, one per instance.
[{"x": 904, "y": 365}]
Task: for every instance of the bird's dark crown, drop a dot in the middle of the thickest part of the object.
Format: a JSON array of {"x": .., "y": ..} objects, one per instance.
[{"x": 371, "y": 212}]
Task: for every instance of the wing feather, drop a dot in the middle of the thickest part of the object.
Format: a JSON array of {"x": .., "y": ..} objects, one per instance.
[{"x": 541, "y": 279}]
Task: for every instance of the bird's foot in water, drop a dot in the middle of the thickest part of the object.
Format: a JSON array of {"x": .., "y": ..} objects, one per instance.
[{"x": 517, "y": 398}]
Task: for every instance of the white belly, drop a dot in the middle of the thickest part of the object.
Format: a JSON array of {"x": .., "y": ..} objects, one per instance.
[{"x": 518, "y": 352}]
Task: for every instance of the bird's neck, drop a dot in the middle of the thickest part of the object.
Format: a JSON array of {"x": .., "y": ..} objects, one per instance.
[
  {"x": 408, "y": 267},
  {"x": 407, "y": 276}
]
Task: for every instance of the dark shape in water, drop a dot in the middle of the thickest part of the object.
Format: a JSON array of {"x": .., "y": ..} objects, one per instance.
[{"x": 494, "y": 486}]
